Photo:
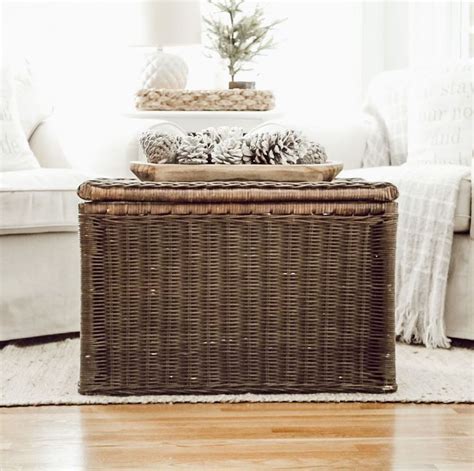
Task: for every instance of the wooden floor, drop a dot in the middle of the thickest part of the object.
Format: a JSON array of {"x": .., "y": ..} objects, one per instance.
[{"x": 239, "y": 436}]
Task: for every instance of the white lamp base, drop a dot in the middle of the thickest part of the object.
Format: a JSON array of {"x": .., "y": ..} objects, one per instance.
[{"x": 163, "y": 70}]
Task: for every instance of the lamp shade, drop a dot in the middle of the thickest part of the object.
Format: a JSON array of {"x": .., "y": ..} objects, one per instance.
[{"x": 167, "y": 23}]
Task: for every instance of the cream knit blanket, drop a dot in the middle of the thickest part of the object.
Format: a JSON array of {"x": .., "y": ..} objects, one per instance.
[{"x": 428, "y": 195}]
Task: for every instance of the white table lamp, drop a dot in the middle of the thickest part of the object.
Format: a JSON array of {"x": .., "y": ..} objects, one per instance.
[{"x": 166, "y": 23}]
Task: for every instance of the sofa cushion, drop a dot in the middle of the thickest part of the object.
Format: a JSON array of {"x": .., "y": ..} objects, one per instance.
[
  {"x": 40, "y": 200},
  {"x": 462, "y": 216}
]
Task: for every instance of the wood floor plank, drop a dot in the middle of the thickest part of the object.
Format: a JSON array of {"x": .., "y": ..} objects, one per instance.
[{"x": 239, "y": 436}]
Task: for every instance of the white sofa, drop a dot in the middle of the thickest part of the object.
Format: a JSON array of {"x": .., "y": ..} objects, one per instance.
[
  {"x": 347, "y": 143},
  {"x": 39, "y": 242},
  {"x": 39, "y": 247}
]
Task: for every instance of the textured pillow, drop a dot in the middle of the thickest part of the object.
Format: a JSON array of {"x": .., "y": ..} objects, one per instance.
[
  {"x": 386, "y": 108},
  {"x": 377, "y": 150},
  {"x": 440, "y": 116},
  {"x": 15, "y": 153}
]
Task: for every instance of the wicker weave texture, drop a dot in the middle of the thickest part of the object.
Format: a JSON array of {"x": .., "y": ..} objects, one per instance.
[
  {"x": 353, "y": 190},
  {"x": 204, "y": 100},
  {"x": 232, "y": 302}
]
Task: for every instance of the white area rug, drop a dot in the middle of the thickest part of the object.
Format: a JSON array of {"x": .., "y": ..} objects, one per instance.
[{"x": 48, "y": 374}]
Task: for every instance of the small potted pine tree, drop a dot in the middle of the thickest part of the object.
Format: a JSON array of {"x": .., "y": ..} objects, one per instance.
[{"x": 239, "y": 38}]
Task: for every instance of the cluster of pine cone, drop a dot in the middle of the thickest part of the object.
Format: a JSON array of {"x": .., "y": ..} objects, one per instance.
[
  {"x": 212, "y": 146},
  {"x": 229, "y": 145}
]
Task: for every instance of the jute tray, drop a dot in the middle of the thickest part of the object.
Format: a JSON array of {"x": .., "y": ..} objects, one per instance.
[
  {"x": 207, "y": 173},
  {"x": 204, "y": 100}
]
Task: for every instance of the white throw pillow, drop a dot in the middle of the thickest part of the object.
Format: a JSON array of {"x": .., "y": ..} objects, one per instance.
[
  {"x": 387, "y": 106},
  {"x": 440, "y": 114},
  {"x": 15, "y": 153},
  {"x": 33, "y": 106}
]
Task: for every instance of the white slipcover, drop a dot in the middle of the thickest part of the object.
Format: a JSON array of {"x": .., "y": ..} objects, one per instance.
[
  {"x": 40, "y": 200},
  {"x": 40, "y": 284}
]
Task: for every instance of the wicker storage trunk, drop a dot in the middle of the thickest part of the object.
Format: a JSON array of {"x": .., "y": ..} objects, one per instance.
[{"x": 237, "y": 287}]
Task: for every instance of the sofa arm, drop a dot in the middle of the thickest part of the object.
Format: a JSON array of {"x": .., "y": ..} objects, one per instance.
[
  {"x": 104, "y": 145},
  {"x": 46, "y": 146},
  {"x": 344, "y": 139}
]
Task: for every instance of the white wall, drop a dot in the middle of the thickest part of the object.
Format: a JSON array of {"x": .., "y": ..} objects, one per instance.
[
  {"x": 318, "y": 70},
  {"x": 80, "y": 46},
  {"x": 76, "y": 47},
  {"x": 327, "y": 50},
  {"x": 385, "y": 38},
  {"x": 327, "y": 53},
  {"x": 403, "y": 34}
]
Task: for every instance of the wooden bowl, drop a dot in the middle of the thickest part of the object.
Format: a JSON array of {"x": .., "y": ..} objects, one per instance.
[{"x": 208, "y": 173}]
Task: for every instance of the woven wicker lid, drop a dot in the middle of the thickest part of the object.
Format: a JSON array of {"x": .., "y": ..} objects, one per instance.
[{"x": 236, "y": 192}]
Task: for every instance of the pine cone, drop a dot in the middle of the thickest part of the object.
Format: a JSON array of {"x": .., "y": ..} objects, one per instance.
[
  {"x": 228, "y": 151},
  {"x": 217, "y": 135},
  {"x": 194, "y": 149},
  {"x": 212, "y": 145},
  {"x": 210, "y": 135},
  {"x": 315, "y": 154},
  {"x": 159, "y": 148},
  {"x": 281, "y": 147}
]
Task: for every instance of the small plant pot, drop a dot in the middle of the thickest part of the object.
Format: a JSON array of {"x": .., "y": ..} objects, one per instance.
[{"x": 242, "y": 85}]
